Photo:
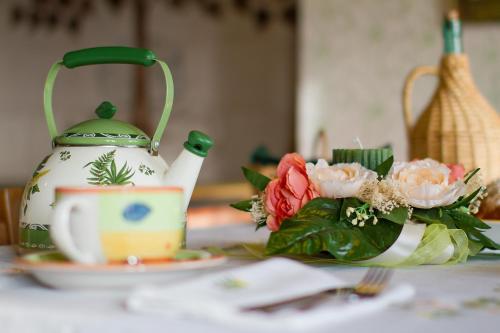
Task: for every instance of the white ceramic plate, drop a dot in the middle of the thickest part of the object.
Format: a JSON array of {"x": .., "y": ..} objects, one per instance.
[{"x": 54, "y": 270}]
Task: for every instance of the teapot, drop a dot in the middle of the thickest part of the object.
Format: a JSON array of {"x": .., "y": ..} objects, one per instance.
[{"x": 104, "y": 151}]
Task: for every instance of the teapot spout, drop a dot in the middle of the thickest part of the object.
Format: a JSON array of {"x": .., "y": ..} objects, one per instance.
[{"x": 185, "y": 169}]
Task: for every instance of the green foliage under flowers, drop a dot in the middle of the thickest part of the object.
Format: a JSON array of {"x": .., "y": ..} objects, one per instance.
[
  {"x": 245, "y": 205},
  {"x": 458, "y": 218},
  {"x": 383, "y": 168},
  {"x": 258, "y": 180},
  {"x": 322, "y": 226}
]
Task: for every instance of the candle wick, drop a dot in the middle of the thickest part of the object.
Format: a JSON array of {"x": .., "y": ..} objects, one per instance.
[{"x": 358, "y": 141}]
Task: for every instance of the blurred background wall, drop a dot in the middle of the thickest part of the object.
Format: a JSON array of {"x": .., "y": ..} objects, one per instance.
[
  {"x": 234, "y": 79},
  {"x": 341, "y": 68},
  {"x": 353, "y": 60}
]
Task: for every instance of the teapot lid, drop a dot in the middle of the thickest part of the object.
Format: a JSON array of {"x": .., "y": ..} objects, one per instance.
[{"x": 103, "y": 131}]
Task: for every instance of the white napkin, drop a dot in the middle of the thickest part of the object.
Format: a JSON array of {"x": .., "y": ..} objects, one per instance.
[{"x": 221, "y": 296}]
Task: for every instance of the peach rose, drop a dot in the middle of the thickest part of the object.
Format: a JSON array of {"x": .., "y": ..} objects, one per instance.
[
  {"x": 288, "y": 193},
  {"x": 341, "y": 180},
  {"x": 426, "y": 183},
  {"x": 457, "y": 172}
]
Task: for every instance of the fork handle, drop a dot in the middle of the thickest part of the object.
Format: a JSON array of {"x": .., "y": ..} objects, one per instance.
[{"x": 272, "y": 307}]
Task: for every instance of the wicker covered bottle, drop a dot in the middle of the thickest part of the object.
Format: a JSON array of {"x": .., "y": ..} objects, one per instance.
[{"x": 458, "y": 125}]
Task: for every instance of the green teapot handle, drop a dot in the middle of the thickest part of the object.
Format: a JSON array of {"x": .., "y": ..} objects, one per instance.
[{"x": 109, "y": 55}]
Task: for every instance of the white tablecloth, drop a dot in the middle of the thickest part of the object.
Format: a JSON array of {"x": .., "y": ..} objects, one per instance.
[{"x": 461, "y": 298}]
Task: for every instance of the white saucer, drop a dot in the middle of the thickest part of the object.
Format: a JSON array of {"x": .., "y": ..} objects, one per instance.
[{"x": 54, "y": 270}]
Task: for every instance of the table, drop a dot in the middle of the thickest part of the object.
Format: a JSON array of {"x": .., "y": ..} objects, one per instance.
[{"x": 460, "y": 298}]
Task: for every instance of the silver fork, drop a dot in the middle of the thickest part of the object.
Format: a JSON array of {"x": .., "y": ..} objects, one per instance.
[{"x": 372, "y": 284}]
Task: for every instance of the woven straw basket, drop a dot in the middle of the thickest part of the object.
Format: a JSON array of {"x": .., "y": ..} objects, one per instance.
[{"x": 458, "y": 125}]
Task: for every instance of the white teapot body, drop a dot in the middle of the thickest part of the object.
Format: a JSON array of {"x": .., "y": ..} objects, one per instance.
[{"x": 76, "y": 166}]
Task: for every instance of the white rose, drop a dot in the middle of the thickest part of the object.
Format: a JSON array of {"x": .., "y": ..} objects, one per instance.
[
  {"x": 425, "y": 183},
  {"x": 341, "y": 180}
]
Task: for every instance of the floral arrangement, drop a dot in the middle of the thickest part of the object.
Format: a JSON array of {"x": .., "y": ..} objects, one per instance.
[{"x": 352, "y": 213}]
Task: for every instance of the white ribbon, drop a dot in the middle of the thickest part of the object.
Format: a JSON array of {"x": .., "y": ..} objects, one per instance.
[{"x": 407, "y": 242}]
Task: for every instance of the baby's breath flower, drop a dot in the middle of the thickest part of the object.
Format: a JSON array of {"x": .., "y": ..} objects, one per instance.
[
  {"x": 475, "y": 204},
  {"x": 349, "y": 211},
  {"x": 362, "y": 214},
  {"x": 257, "y": 211},
  {"x": 410, "y": 212},
  {"x": 382, "y": 195}
]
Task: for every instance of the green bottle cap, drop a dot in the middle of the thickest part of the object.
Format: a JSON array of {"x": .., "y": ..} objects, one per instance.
[
  {"x": 452, "y": 33},
  {"x": 198, "y": 143}
]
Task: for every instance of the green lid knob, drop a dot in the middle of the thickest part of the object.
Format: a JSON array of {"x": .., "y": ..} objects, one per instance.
[
  {"x": 198, "y": 143},
  {"x": 106, "y": 110}
]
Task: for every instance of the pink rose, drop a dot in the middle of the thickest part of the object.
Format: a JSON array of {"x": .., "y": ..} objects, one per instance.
[
  {"x": 288, "y": 193},
  {"x": 457, "y": 171}
]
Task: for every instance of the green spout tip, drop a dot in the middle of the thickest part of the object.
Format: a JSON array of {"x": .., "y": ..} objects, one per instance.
[
  {"x": 198, "y": 143},
  {"x": 105, "y": 110}
]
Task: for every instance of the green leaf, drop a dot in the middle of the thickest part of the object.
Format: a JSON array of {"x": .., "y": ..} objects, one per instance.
[
  {"x": 464, "y": 202},
  {"x": 123, "y": 171},
  {"x": 260, "y": 224},
  {"x": 433, "y": 216},
  {"x": 113, "y": 169},
  {"x": 383, "y": 168},
  {"x": 477, "y": 236},
  {"x": 320, "y": 207},
  {"x": 321, "y": 226},
  {"x": 339, "y": 238},
  {"x": 457, "y": 219},
  {"x": 108, "y": 176},
  {"x": 256, "y": 179},
  {"x": 99, "y": 169},
  {"x": 349, "y": 202},
  {"x": 428, "y": 216},
  {"x": 303, "y": 237},
  {"x": 470, "y": 175},
  {"x": 124, "y": 178},
  {"x": 124, "y": 175},
  {"x": 398, "y": 215},
  {"x": 104, "y": 171},
  {"x": 245, "y": 205},
  {"x": 469, "y": 219}
]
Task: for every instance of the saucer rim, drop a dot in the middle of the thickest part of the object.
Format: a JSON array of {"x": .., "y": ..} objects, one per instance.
[{"x": 23, "y": 263}]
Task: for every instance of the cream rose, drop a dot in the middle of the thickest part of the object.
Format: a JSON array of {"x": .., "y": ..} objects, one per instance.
[
  {"x": 341, "y": 180},
  {"x": 426, "y": 183}
]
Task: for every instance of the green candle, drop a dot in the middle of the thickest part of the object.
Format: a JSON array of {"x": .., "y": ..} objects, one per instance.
[{"x": 369, "y": 158}]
